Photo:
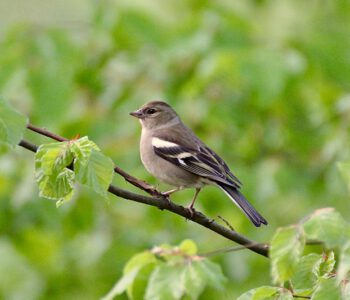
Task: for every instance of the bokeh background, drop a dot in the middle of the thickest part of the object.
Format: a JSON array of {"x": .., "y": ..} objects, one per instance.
[{"x": 264, "y": 83}]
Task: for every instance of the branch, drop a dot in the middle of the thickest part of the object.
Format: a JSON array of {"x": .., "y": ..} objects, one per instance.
[{"x": 160, "y": 201}]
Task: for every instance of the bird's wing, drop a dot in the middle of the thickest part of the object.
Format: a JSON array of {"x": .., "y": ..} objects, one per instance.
[
  {"x": 224, "y": 166},
  {"x": 201, "y": 161}
]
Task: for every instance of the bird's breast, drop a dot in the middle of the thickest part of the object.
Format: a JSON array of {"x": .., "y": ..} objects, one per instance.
[{"x": 162, "y": 169}]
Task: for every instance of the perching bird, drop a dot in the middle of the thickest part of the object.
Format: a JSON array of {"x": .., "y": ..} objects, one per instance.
[{"x": 172, "y": 153}]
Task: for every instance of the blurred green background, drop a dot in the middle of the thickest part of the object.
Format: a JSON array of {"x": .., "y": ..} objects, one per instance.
[{"x": 264, "y": 83}]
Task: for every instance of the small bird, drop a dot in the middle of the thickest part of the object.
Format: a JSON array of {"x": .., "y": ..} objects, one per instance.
[{"x": 172, "y": 153}]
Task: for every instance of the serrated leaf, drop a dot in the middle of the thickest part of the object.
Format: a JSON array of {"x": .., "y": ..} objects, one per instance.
[
  {"x": 82, "y": 148},
  {"x": 286, "y": 248},
  {"x": 139, "y": 260},
  {"x": 55, "y": 181},
  {"x": 194, "y": 281},
  {"x": 122, "y": 284},
  {"x": 12, "y": 125},
  {"x": 170, "y": 281},
  {"x": 326, "y": 267},
  {"x": 54, "y": 157},
  {"x": 328, "y": 226},
  {"x": 166, "y": 282},
  {"x": 130, "y": 272},
  {"x": 344, "y": 263},
  {"x": 267, "y": 293},
  {"x": 199, "y": 274},
  {"x": 285, "y": 295},
  {"x": 306, "y": 273},
  {"x": 96, "y": 171},
  {"x": 211, "y": 272},
  {"x": 188, "y": 247},
  {"x": 327, "y": 289}
]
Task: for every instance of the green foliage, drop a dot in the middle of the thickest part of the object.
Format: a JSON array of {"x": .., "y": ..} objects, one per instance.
[
  {"x": 327, "y": 289},
  {"x": 92, "y": 168},
  {"x": 325, "y": 225},
  {"x": 286, "y": 248},
  {"x": 264, "y": 83},
  {"x": 55, "y": 180},
  {"x": 12, "y": 125},
  {"x": 59, "y": 165},
  {"x": 176, "y": 272},
  {"x": 309, "y": 275},
  {"x": 267, "y": 292}
]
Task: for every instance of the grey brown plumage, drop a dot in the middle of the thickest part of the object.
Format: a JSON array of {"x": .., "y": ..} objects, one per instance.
[{"x": 174, "y": 154}]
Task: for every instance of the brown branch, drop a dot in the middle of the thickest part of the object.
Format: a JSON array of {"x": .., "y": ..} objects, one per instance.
[
  {"x": 301, "y": 297},
  {"x": 143, "y": 185},
  {"x": 46, "y": 133},
  {"x": 161, "y": 202}
]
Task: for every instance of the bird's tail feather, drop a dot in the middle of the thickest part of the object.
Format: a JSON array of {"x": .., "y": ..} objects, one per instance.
[{"x": 243, "y": 204}]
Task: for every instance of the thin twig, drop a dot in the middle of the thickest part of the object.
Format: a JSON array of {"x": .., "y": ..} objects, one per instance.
[
  {"x": 231, "y": 249},
  {"x": 301, "y": 297},
  {"x": 47, "y": 133},
  {"x": 197, "y": 216},
  {"x": 143, "y": 185},
  {"x": 226, "y": 222}
]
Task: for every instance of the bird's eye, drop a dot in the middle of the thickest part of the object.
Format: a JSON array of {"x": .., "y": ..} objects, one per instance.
[{"x": 151, "y": 111}]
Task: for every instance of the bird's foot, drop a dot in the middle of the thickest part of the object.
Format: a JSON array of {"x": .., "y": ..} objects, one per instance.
[
  {"x": 166, "y": 196},
  {"x": 191, "y": 210}
]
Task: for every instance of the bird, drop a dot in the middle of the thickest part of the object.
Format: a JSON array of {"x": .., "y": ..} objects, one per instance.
[{"x": 173, "y": 154}]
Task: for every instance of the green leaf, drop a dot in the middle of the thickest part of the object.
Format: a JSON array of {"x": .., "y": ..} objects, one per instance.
[
  {"x": 173, "y": 281},
  {"x": 188, "y": 247},
  {"x": 82, "y": 148},
  {"x": 139, "y": 260},
  {"x": 211, "y": 272},
  {"x": 92, "y": 167},
  {"x": 166, "y": 282},
  {"x": 200, "y": 273},
  {"x": 267, "y": 293},
  {"x": 122, "y": 285},
  {"x": 194, "y": 281},
  {"x": 96, "y": 172},
  {"x": 344, "y": 262},
  {"x": 328, "y": 226},
  {"x": 327, "y": 290},
  {"x": 130, "y": 272},
  {"x": 307, "y": 272},
  {"x": 12, "y": 125},
  {"x": 326, "y": 267},
  {"x": 286, "y": 248},
  {"x": 55, "y": 181}
]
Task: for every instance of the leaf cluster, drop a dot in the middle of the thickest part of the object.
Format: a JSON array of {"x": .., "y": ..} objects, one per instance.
[{"x": 311, "y": 275}]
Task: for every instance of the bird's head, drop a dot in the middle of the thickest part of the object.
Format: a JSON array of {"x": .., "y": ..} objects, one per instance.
[{"x": 155, "y": 114}]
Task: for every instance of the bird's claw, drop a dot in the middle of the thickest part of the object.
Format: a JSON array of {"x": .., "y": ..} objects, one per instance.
[
  {"x": 191, "y": 210},
  {"x": 166, "y": 196}
]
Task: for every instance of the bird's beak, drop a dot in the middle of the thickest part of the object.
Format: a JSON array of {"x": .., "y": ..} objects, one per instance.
[{"x": 138, "y": 114}]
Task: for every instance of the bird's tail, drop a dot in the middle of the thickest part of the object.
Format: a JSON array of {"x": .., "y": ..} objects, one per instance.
[{"x": 243, "y": 204}]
